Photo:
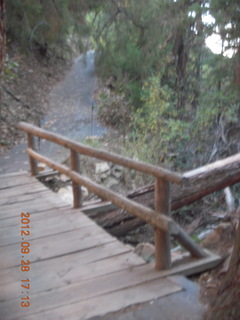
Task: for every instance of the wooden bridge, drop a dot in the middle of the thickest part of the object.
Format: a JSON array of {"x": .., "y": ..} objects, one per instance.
[{"x": 56, "y": 263}]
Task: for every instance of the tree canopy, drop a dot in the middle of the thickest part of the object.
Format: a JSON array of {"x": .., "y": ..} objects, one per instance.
[
  {"x": 177, "y": 93},
  {"x": 178, "y": 90}
]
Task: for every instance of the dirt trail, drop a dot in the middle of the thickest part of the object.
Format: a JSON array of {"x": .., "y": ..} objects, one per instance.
[{"x": 71, "y": 114}]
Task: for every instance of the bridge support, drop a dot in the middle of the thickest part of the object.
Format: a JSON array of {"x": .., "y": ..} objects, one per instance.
[
  {"x": 77, "y": 192},
  {"x": 162, "y": 238},
  {"x": 32, "y": 161}
]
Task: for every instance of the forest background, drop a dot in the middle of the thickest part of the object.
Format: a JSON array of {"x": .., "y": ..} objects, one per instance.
[{"x": 175, "y": 101}]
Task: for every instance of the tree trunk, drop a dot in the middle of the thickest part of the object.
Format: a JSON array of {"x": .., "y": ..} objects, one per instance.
[
  {"x": 227, "y": 303},
  {"x": 201, "y": 182},
  {"x": 2, "y": 45}
]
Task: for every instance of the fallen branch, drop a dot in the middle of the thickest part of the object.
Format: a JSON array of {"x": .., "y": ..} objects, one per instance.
[
  {"x": 202, "y": 181},
  {"x": 19, "y": 100}
]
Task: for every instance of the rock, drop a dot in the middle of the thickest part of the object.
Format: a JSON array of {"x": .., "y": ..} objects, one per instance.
[
  {"x": 66, "y": 195},
  {"x": 117, "y": 171},
  {"x": 146, "y": 251},
  {"x": 85, "y": 192},
  {"x": 103, "y": 176},
  {"x": 64, "y": 178},
  {"x": 102, "y": 167},
  {"x": 111, "y": 182},
  {"x": 49, "y": 179},
  {"x": 41, "y": 166}
]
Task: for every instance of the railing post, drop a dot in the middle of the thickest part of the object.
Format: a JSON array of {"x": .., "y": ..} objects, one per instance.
[
  {"x": 32, "y": 161},
  {"x": 162, "y": 239},
  {"x": 77, "y": 193}
]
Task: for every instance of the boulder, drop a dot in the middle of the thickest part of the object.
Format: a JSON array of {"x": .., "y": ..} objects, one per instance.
[
  {"x": 66, "y": 195},
  {"x": 41, "y": 166},
  {"x": 146, "y": 251},
  {"x": 64, "y": 178},
  {"x": 111, "y": 182},
  {"x": 117, "y": 172},
  {"x": 102, "y": 167}
]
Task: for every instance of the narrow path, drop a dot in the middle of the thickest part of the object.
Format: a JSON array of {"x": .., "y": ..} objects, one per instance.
[{"x": 71, "y": 114}]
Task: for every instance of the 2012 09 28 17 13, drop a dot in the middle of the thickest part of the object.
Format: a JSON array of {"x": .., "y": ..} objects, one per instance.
[{"x": 25, "y": 264}]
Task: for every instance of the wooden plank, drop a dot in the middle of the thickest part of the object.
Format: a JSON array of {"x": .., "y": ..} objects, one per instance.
[
  {"x": 13, "y": 185},
  {"x": 194, "y": 266},
  {"x": 26, "y": 185},
  {"x": 42, "y": 228},
  {"x": 110, "y": 302},
  {"x": 13, "y": 174},
  {"x": 76, "y": 267},
  {"x": 98, "y": 268},
  {"x": 48, "y": 278},
  {"x": 124, "y": 286},
  {"x": 22, "y": 190},
  {"x": 60, "y": 213},
  {"x": 25, "y": 198},
  {"x": 12, "y": 181},
  {"x": 53, "y": 246},
  {"x": 34, "y": 206},
  {"x": 101, "y": 251}
]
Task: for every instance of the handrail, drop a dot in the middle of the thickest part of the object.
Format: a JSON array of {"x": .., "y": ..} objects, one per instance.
[
  {"x": 160, "y": 219},
  {"x": 155, "y": 171}
]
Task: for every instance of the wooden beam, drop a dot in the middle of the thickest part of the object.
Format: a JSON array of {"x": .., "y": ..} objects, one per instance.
[
  {"x": 155, "y": 171},
  {"x": 76, "y": 188},
  {"x": 160, "y": 221},
  {"x": 201, "y": 182},
  {"x": 208, "y": 179},
  {"x": 32, "y": 161},
  {"x": 161, "y": 238},
  {"x": 187, "y": 242}
]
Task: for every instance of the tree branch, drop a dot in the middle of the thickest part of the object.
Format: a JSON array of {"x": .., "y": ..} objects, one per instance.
[
  {"x": 109, "y": 22},
  {"x": 129, "y": 16}
]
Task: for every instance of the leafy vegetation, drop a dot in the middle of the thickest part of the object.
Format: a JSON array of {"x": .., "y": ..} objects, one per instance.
[
  {"x": 175, "y": 100},
  {"x": 48, "y": 27},
  {"x": 182, "y": 98}
]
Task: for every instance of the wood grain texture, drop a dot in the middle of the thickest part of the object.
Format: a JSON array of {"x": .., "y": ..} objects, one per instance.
[
  {"x": 74, "y": 262},
  {"x": 162, "y": 239},
  {"x": 201, "y": 182},
  {"x": 77, "y": 269},
  {"x": 160, "y": 221},
  {"x": 32, "y": 161},
  {"x": 101, "y": 154},
  {"x": 76, "y": 188}
]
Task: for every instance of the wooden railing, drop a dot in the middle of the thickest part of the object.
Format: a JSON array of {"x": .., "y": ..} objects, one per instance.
[{"x": 160, "y": 219}]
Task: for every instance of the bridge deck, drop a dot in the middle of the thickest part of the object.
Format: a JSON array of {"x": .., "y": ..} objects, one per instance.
[{"x": 77, "y": 270}]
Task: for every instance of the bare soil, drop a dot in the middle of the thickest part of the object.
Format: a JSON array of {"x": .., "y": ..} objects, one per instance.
[{"x": 26, "y": 85}]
